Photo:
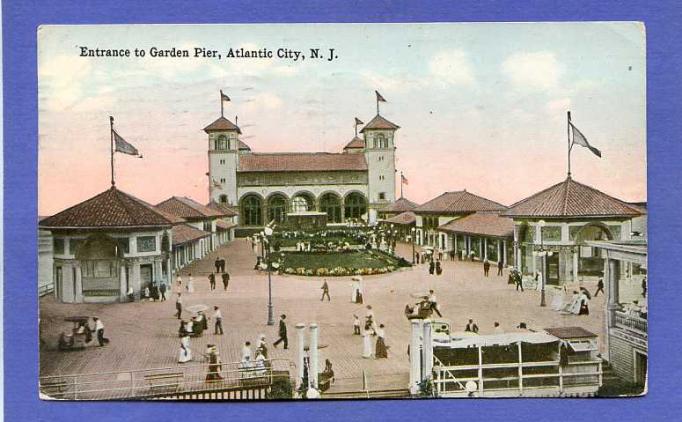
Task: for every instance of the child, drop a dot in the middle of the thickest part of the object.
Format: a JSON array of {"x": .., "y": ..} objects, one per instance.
[{"x": 356, "y": 325}]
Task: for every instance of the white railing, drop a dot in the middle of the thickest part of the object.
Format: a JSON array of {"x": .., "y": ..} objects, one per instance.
[
  {"x": 554, "y": 377},
  {"x": 45, "y": 289},
  {"x": 162, "y": 381},
  {"x": 630, "y": 321}
]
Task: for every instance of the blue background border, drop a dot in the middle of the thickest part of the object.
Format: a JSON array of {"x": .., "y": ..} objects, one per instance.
[{"x": 663, "y": 24}]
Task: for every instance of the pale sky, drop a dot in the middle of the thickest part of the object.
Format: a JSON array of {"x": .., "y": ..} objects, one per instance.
[{"x": 481, "y": 106}]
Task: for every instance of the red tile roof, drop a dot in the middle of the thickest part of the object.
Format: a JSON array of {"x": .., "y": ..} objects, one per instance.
[
  {"x": 224, "y": 225},
  {"x": 459, "y": 202},
  {"x": 221, "y": 123},
  {"x": 305, "y": 161},
  {"x": 355, "y": 143},
  {"x": 109, "y": 209},
  {"x": 183, "y": 233},
  {"x": 482, "y": 224},
  {"x": 379, "y": 122},
  {"x": 169, "y": 216},
  {"x": 243, "y": 146},
  {"x": 570, "y": 332},
  {"x": 405, "y": 218},
  {"x": 400, "y": 205},
  {"x": 224, "y": 209},
  {"x": 571, "y": 199},
  {"x": 186, "y": 208}
]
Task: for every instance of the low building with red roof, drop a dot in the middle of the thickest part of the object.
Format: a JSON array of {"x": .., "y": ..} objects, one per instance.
[
  {"x": 443, "y": 210},
  {"x": 552, "y": 228},
  {"x": 214, "y": 219}
]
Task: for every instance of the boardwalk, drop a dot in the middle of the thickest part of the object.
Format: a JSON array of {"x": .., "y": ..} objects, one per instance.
[{"x": 144, "y": 335}]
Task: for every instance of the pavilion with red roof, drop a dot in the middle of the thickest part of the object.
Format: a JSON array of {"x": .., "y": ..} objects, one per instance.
[
  {"x": 109, "y": 247},
  {"x": 556, "y": 224}
]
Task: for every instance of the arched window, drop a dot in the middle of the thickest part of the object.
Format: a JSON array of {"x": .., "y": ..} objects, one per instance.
[
  {"x": 356, "y": 205},
  {"x": 381, "y": 140},
  {"x": 299, "y": 204},
  {"x": 251, "y": 211},
  {"x": 331, "y": 204},
  {"x": 221, "y": 143},
  {"x": 277, "y": 208},
  {"x": 222, "y": 199}
]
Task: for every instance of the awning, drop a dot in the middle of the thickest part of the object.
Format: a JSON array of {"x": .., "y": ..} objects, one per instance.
[{"x": 504, "y": 339}]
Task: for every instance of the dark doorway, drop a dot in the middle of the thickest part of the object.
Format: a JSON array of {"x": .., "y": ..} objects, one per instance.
[
  {"x": 146, "y": 275},
  {"x": 553, "y": 269}
]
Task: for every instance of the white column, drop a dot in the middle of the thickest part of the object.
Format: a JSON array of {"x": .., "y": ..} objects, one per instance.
[
  {"x": 504, "y": 252},
  {"x": 122, "y": 283},
  {"x": 135, "y": 279},
  {"x": 314, "y": 356},
  {"x": 614, "y": 293},
  {"x": 428, "y": 350},
  {"x": 575, "y": 265},
  {"x": 485, "y": 247},
  {"x": 79, "y": 284},
  {"x": 300, "y": 330},
  {"x": 415, "y": 357}
]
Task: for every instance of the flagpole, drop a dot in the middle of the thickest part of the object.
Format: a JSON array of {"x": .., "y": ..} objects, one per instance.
[
  {"x": 568, "y": 136},
  {"x": 221, "y": 104},
  {"x": 111, "y": 145},
  {"x": 356, "y": 128},
  {"x": 377, "y": 105}
]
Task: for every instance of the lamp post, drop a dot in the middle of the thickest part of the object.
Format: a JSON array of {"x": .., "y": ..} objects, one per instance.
[
  {"x": 266, "y": 247},
  {"x": 413, "y": 230},
  {"x": 543, "y": 254}
]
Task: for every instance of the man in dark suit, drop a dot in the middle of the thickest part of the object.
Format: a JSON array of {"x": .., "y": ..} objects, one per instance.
[
  {"x": 471, "y": 327},
  {"x": 500, "y": 265},
  {"x": 282, "y": 333},
  {"x": 211, "y": 280},
  {"x": 226, "y": 280},
  {"x": 217, "y": 265}
]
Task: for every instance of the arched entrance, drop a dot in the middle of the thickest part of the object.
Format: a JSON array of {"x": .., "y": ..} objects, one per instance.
[
  {"x": 251, "y": 211},
  {"x": 99, "y": 258},
  {"x": 355, "y": 206},
  {"x": 590, "y": 262},
  {"x": 331, "y": 204},
  {"x": 277, "y": 208}
]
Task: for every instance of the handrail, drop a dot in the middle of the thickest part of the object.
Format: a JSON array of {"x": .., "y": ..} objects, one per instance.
[
  {"x": 166, "y": 380},
  {"x": 179, "y": 367},
  {"x": 445, "y": 369}
]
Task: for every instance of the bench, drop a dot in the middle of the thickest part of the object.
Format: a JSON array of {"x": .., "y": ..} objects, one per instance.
[{"x": 165, "y": 382}]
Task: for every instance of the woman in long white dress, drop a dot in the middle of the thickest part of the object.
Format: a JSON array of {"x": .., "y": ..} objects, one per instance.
[
  {"x": 574, "y": 308},
  {"x": 355, "y": 286},
  {"x": 190, "y": 284},
  {"x": 558, "y": 299},
  {"x": 185, "y": 353},
  {"x": 367, "y": 342}
]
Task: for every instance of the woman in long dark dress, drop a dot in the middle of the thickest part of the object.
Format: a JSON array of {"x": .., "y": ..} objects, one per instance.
[
  {"x": 381, "y": 352},
  {"x": 214, "y": 364}
]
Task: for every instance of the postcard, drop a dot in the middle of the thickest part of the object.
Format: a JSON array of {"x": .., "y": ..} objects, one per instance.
[{"x": 342, "y": 211}]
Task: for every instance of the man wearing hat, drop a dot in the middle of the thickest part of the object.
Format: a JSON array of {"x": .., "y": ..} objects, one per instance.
[{"x": 282, "y": 333}]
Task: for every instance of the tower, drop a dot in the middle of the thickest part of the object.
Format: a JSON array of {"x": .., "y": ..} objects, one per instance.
[
  {"x": 379, "y": 135},
  {"x": 224, "y": 148}
]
